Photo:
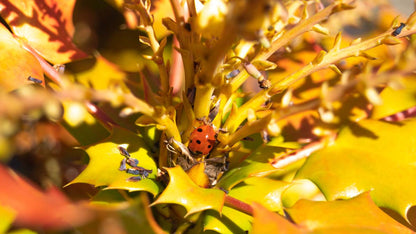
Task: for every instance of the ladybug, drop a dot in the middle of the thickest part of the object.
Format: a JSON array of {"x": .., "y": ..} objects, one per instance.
[{"x": 202, "y": 139}]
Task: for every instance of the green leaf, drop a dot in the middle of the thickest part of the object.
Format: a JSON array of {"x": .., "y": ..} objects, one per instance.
[
  {"x": 264, "y": 191},
  {"x": 373, "y": 156},
  {"x": 82, "y": 125},
  {"x": 229, "y": 221},
  {"x": 395, "y": 101},
  {"x": 358, "y": 214},
  {"x": 105, "y": 158},
  {"x": 255, "y": 189},
  {"x": 258, "y": 164},
  {"x": 183, "y": 191},
  {"x": 301, "y": 189}
]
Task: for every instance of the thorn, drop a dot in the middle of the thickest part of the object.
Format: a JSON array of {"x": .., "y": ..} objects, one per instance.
[
  {"x": 335, "y": 69},
  {"x": 318, "y": 59},
  {"x": 367, "y": 56},
  {"x": 337, "y": 42},
  {"x": 391, "y": 40},
  {"x": 356, "y": 41},
  {"x": 320, "y": 29}
]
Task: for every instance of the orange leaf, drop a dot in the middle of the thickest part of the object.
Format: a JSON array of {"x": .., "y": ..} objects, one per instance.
[
  {"x": 16, "y": 63},
  {"x": 46, "y": 25},
  {"x": 37, "y": 209},
  {"x": 266, "y": 221}
]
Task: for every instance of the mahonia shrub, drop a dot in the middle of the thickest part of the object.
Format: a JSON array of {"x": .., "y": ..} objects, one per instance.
[{"x": 196, "y": 116}]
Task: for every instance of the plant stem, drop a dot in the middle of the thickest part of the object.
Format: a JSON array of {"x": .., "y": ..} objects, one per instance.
[
  {"x": 56, "y": 77},
  {"x": 278, "y": 85},
  {"x": 299, "y": 29},
  {"x": 238, "y": 205}
]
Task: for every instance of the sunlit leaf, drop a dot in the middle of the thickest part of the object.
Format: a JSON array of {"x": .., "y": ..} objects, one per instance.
[
  {"x": 300, "y": 189},
  {"x": 105, "y": 159},
  {"x": 7, "y": 217},
  {"x": 17, "y": 64},
  {"x": 265, "y": 191},
  {"x": 81, "y": 124},
  {"x": 46, "y": 25},
  {"x": 372, "y": 156},
  {"x": 230, "y": 221},
  {"x": 257, "y": 164},
  {"x": 265, "y": 221},
  {"x": 183, "y": 191},
  {"x": 353, "y": 215},
  {"x": 44, "y": 210},
  {"x": 395, "y": 101},
  {"x": 102, "y": 75}
]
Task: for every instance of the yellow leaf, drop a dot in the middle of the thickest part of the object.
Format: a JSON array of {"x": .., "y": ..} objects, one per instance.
[{"x": 183, "y": 191}]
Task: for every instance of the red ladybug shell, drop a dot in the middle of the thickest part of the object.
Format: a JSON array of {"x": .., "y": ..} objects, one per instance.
[{"x": 202, "y": 140}]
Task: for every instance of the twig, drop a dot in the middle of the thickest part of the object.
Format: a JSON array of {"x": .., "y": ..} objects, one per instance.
[
  {"x": 300, "y": 154},
  {"x": 238, "y": 205}
]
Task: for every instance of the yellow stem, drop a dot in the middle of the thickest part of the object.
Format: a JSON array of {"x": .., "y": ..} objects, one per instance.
[
  {"x": 281, "y": 84},
  {"x": 202, "y": 101},
  {"x": 302, "y": 27}
]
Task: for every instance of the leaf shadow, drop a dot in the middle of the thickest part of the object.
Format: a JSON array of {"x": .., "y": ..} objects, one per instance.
[
  {"x": 359, "y": 131},
  {"x": 411, "y": 215}
]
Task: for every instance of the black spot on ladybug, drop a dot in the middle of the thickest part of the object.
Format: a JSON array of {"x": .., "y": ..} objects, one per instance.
[
  {"x": 199, "y": 129},
  {"x": 198, "y": 142},
  {"x": 209, "y": 146}
]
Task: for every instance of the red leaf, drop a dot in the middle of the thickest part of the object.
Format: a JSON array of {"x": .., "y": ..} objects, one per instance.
[
  {"x": 37, "y": 209},
  {"x": 46, "y": 25}
]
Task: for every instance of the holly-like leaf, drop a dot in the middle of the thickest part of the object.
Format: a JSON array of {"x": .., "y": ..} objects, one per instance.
[
  {"x": 17, "y": 64},
  {"x": 44, "y": 210},
  {"x": 257, "y": 164},
  {"x": 300, "y": 189},
  {"x": 395, "y": 101},
  {"x": 183, "y": 191},
  {"x": 370, "y": 156},
  {"x": 255, "y": 189},
  {"x": 45, "y": 25},
  {"x": 356, "y": 215},
  {"x": 229, "y": 221},
  {"x": 105, "y": 159},
  {"x": 102, "y": 75},
  {"x": 265, "y": 221}
]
